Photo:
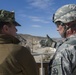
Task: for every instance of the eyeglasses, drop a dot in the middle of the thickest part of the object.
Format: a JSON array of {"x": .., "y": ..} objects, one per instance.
[{"x": 59, "y": 23}]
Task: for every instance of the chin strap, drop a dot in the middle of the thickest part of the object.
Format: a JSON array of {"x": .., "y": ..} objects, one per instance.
[{"x": 66, "y": 28}]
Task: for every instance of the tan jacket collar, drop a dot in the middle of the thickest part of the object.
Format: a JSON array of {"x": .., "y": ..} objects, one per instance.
[{"x": 8, "y": 39}]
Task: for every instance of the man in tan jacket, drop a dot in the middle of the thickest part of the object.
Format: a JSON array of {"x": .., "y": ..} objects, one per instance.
[{"x": 14, "y": 59}]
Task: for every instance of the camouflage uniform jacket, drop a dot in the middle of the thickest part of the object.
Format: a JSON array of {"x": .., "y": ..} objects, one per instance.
[
  {"x": 64, "y": 60},
  {"x": 15, "y": 59}
]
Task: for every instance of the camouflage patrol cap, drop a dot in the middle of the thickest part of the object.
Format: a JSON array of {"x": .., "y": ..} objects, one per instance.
[
  {"x": 7, "y": 16},
  {"x": 65, "y": 14}
]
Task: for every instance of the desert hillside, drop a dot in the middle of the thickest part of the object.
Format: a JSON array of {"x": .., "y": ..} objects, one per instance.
[{"x": 33, "y": 42}]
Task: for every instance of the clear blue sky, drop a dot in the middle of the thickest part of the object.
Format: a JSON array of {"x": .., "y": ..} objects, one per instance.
[{"x": 35, "y": 16}]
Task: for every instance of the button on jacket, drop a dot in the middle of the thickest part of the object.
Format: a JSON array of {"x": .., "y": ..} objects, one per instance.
[{"x": 15, "y": 59}]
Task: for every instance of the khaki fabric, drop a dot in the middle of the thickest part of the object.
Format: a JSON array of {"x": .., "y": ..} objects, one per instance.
[{"x": 15, "y": 59}]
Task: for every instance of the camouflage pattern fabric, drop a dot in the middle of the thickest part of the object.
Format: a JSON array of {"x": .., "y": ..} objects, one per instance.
[
  {"x": 64, "y": 60},
  {"x": 65, "y": 14},
  {"x": 7, "y": 16}
]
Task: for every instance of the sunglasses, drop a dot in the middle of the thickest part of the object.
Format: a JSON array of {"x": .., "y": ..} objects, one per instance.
[{"x": 59, "y": 23}]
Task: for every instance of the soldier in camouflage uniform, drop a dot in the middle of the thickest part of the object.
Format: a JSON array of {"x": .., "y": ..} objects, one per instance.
[
  {"x": 14, "y": 59},
  {"x": 64, "y": 59}
]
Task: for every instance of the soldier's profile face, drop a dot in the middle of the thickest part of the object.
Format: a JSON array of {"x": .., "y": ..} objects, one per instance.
[
  {"x": 13, "y": 30},
  {"x": 10, "y": 30},
  {"x": 60, "y": 29}
]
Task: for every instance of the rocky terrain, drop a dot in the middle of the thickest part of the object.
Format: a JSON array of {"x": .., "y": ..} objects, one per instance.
[{"x": 33, "y": 42}]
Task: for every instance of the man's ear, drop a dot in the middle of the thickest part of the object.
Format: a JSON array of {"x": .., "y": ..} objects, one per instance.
[{"x": 5, "y": 29}]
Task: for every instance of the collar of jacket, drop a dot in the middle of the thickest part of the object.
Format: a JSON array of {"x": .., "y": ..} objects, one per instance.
[{"x": 5, "y": 39}]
